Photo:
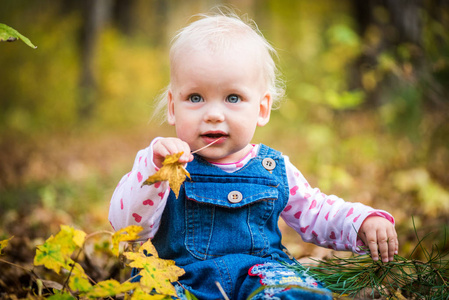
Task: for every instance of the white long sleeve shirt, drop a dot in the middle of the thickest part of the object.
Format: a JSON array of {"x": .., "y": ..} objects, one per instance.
[{"x": 324, "y": 220}]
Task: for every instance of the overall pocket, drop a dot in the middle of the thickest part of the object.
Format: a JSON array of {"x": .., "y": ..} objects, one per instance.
[{"x": 228, "y": 215}]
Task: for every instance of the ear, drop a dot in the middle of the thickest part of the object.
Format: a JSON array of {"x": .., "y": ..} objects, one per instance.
[
  {"x": 264, "y": 110},
  {"x": 170, "y": 108}
]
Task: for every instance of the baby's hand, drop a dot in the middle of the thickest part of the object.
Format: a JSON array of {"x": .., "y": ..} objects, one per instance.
[
  {"x": 169, "y": 146},
  {"x": 379, "y": 236}
]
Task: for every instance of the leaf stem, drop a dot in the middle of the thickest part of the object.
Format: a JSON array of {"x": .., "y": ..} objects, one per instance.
[
  {"x": 15, "y": 265},
  {"x": 223, "y": 293},
  {"x": 202, "y": 148}
]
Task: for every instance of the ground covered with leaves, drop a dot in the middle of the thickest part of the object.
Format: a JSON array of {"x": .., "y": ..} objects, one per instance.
[{"x": 68, "y": 179}]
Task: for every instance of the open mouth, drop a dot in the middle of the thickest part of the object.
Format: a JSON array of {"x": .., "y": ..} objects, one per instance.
[{"x": 216, "y": 137}]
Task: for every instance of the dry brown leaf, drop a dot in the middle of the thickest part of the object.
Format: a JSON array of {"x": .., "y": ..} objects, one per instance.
[{"x": 172, "y": 170}]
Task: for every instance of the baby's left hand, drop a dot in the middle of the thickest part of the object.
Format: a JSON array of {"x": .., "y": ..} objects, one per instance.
[{"x": 379, "y": 236}]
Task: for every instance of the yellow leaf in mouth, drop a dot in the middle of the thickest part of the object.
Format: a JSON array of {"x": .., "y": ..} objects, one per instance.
[{"x": 172, "y": 171}]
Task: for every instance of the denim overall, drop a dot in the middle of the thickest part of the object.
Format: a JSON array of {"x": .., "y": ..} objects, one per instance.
[{"x": 224, "y": 227}]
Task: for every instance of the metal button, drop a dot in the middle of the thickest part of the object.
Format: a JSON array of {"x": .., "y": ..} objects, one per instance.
[
  {"x": 269, "y": 163},
  {"x": 235, "y": 197}
]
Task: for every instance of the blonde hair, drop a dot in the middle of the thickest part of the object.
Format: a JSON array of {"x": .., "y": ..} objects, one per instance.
[{"x": 218, "y": 31}]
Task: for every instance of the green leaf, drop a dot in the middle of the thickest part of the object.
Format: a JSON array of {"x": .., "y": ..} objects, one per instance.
[
  {"x": 50, "y": 255},
  {"x": 189, "y": 295},
  {"x": 79, "y": 280},
  {"x": 8, "y": 34},
  {"x": 61, "y": 296}
]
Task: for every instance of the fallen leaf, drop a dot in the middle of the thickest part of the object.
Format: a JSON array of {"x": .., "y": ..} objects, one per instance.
[
  {"x": 172, "y": 171},
  {"x": 56, "y": 252},
  {"x": 4, "y": 244},
  {"x": 124, "y": 235},
  {"x": 110, "y": 287},
  {"x": 157, "y": 274}
]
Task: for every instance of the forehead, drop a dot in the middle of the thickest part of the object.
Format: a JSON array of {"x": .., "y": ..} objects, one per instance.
[
  {"x": 238, "y": 58},
  {"x": 217, "y": 69},
  {"x": 229, "y": 42}
]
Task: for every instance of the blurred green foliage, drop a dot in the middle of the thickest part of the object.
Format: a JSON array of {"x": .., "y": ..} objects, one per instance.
[{"x": 373, "y": 130}]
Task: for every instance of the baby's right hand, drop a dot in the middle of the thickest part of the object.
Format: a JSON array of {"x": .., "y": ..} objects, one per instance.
[{"x": 169, "y": 146}]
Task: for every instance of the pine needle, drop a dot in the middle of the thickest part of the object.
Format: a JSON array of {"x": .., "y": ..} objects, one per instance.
[
  {"x": 403, "y": 278},
  {"x": 411, "y": 278}
]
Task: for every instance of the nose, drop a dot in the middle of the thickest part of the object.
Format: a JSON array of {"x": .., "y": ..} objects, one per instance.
[{"x": 214, "y": 113}]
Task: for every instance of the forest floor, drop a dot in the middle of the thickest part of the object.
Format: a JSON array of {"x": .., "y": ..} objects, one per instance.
[{"x": 69, "y": 179}]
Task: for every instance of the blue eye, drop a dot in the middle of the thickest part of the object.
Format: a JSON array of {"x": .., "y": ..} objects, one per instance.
[
  {"x": 233, "y": 98},
  {"x": 195, "y": 98}
]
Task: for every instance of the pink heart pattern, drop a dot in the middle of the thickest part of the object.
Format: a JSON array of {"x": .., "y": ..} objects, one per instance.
[
  {"x": 304, "y": 229},
  {"x": 293, "y": 190},
  {"x": 313, "y": 205},
  {"x": 287, "y": 208},
  {"x": 148, "y": 202},
  {"x": 350, "y": 212},
  {"x": 137, "y": 217}
]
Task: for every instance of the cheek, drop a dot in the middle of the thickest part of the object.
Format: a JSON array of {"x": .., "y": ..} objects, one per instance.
[
  {"x": 245, "y": 128},
  {"x": 185, "y": 126}
]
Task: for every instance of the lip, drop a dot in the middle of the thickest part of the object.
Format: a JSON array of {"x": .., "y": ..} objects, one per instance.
[{"x": 211, "y": 136}]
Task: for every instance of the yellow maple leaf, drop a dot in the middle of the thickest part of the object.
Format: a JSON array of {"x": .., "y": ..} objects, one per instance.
[
  {"x": 110, "y": 287},
  {"x": 157, "y": 273},
  {"x": 173, "y": 171},
  {"x": 56, "y": 252},
  {"x": 124, "y": 235},
  {"x": 140, "y": 294},
  {"x": 78, "y": 280}
]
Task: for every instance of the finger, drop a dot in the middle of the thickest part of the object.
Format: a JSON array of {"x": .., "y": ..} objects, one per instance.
[
  {"x": 169, "y": 146},
  {"x": 392, "y": 244},
  {"x": 164, "y": 147},
  {"x": 371, "y": 242},
  {"x": 186, "y": 155},
  {"x": 391, "y": 248},
  {"x": 383, "y": 243},
  {"x": 173, "y": 146}
]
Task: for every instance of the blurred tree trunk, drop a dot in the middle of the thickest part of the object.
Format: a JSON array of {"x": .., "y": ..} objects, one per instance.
[
  {"x": 142, "y": 17},
  {"x": 123, "y": 16},
  {"x": 95, "y": 15},
  {"x": 384, "y": 25}
]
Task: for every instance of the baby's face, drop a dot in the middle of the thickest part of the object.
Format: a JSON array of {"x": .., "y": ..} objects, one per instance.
[{"x": 218, "y": 96}]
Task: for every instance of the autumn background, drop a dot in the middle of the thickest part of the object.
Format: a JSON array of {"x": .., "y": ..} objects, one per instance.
[{"x": 365, "y": 115}]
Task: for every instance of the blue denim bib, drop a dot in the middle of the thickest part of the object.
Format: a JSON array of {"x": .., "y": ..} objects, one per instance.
[
  {"x": 219, "y": 213},
  {"x": 224, "y": 228}
]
